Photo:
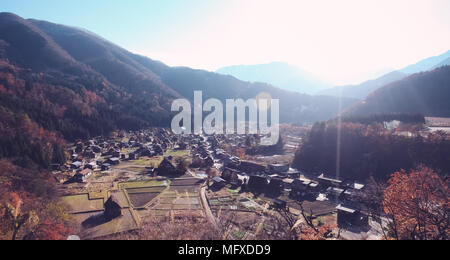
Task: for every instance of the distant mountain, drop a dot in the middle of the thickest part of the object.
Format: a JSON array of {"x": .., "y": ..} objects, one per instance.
[
  {"x": 361, "y": 91},
  {"x": 443, "y": 63},
  {"x": 278, "y": 74},
  {"x": 424, "y": 93},
  {"x": 294, "y": 107},
  {"x": 63, "y": 83},
  {"x": 426, "y": 64}
]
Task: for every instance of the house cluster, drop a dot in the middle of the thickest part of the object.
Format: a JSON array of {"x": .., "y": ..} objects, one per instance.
[
  {"x": 202, "y": 151},
  {"x": 277, "y": 179},
  {"x": 101, "y": 153}
]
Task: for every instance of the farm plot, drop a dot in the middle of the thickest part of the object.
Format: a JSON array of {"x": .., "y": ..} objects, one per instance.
[
  {"x": 143, "y": 184},
  {"x": 182, "y": 195},
  {"x": 226, "y": 203},
  {"x": 123, "y": 223},
  {"x": 181, "y": 202},
  {"x": 154, "y": 189},
  {"x": 186, "y": 185},
  {"x": 187, "y": 182},
  {"x": 102, "y": 194},
  {"x": 141, "y": 193},
  {"x": 178, "y": 153},
  {"x": 184, "y": 189},
  {"x": 139, "y": 200}
]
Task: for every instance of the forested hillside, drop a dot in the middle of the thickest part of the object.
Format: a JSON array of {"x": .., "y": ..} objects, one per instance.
[
  {"x": 425, "y": 93},
  {"x": 71, "y": 83},
  {"x": 359, "y": 151}
]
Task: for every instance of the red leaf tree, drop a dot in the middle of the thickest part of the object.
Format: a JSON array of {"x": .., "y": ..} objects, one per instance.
[{"x": 418, "y": 205}]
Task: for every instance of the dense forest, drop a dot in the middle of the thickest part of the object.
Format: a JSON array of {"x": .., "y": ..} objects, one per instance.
[{"x": 358, "y": 151}]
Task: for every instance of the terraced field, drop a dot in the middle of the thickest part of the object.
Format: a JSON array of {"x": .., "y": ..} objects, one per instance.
[
  {"x": 124, "y": 223},
  {"x": 139, "y": 200},
  {"x": 142, "y": 184},
  {"x": 186, "y": 185},
  {"x": 183, "y": 195}
]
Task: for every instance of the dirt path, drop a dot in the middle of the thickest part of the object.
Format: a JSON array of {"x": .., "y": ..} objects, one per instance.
[{"x": 208, "y": 211}]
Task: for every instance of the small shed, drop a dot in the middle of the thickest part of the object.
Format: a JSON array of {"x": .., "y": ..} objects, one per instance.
[
  {"x": 351, "y": 215},
  {"x": 218, "y": 182},
  {"x": 279, "y": 204},
  {"x": 113, "y": 161},
  {"x": 106, "y": 167}
]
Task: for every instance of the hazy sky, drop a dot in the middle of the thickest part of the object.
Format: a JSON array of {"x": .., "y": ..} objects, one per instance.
[{"x": 345, "y": 41}]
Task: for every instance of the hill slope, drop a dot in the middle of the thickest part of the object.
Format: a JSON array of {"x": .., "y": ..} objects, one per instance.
[
  {"x": 294, "y": 107},
  {"x": 66, "y": 83},
  {"x": 143, "y": 76},
  {"x": 47, "y": 96},
  {"x": 424, "y": 93}
]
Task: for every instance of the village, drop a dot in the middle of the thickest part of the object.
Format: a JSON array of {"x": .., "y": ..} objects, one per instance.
[{"x": 113, "y": 184}]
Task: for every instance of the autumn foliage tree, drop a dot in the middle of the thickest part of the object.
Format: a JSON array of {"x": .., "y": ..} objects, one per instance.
[
  {"x": 29, "y": 207},
  {"x": 22, "y": 216},
  {"x": 418, "y": 205},
  {"x": 13, "y": 217}
]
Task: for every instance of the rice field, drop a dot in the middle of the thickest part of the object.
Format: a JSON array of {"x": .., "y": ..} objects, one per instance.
[
  {"x": 185, "y": 189},
  {"x": 156, "y": 189},
  {"x": 142, "y": 184},
  {"x": 139, "y": 200},
  {"x": 186, "y": 182}
]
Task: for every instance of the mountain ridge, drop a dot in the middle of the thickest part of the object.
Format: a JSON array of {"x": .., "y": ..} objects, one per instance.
[
  {"x": 423, "y": 93},
  {"x": 362, "y": 90},
  {"x": 73, "y": 84},
  {"x": 279, "y": 74}
]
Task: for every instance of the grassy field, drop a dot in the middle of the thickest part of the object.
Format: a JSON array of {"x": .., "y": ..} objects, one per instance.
[
  {"x": 98, "y": 195},
  {"x": 179, "y": 153},
  {"x": 82, "y": 203},
  {"x": 239, "y": 234},
  {"x": 99, "y": 175},
  {"x": 134, "y": 169},
  {"x": 147, "y": 161}
]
